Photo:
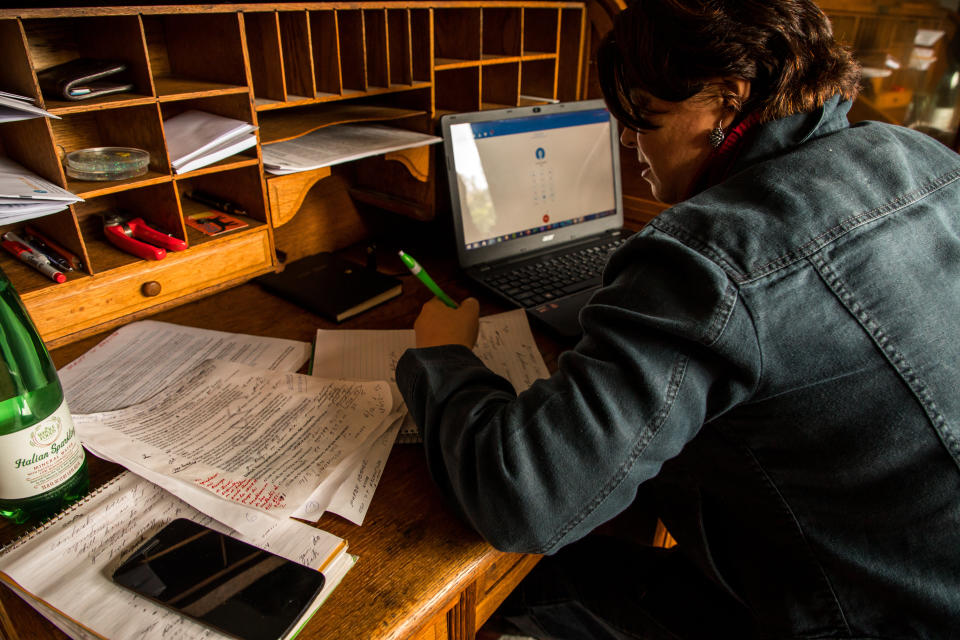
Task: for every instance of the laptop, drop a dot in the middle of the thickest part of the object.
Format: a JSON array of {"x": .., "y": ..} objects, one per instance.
[{"x": 536, "y": 200}]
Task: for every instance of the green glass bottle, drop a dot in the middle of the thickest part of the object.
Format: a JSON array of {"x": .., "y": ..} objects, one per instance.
[{"x": 43, "y": 466}]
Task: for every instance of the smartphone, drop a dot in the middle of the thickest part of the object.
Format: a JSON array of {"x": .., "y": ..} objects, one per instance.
[{"x": 222, "y": 582}]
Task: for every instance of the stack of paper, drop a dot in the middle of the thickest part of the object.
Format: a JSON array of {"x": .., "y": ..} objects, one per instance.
[
  {"x": 221, "y": 421},
  {"x": 75, "y": 592},
  {"x": 504, "y": 343},
  {"x": 25, "y": 195},
  {"x": 15, "y": 107},
  {"x": 197, "y": 138},
  {"x": 339, "y": 143},
  {"x": 240, "y": 380}
]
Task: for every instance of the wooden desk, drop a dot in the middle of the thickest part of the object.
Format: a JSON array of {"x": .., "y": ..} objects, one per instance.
[{"x": 422, "y": 574}]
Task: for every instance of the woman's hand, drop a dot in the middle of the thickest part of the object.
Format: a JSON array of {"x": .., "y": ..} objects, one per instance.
[{"x": 439, "y": 325}]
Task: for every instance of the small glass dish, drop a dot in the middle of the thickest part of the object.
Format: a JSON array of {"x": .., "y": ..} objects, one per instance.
[{"x": 107, "y": 163}]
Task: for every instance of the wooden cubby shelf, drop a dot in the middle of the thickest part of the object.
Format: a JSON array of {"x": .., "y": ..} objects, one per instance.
[
  {"x": 289, "y": 124},
  {"x": 288, "y": 69}
]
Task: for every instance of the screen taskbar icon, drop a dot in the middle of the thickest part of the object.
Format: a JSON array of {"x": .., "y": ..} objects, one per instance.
[{"x": 533, "y": 230}]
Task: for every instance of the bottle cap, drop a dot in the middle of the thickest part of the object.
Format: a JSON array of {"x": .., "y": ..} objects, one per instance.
[{"x": 106, "y": 163}]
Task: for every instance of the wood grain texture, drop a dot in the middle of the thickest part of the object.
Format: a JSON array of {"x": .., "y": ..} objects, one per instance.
[
  {"x": 266, "y": 60},
  {"x": 458, "y": 89},
  {"x": 90, "y": 301},
  {"x": 352, "y": 59},
  {"x": 422, "y": 43},
  {"x": 376, "y": 47},
  {"x": 293, "y": 60},
  {"x": 416, "y": 161},
  {"x": 193, "y": 53},
  {"x": 326, "y": 51},
  {"x": 148, "y": 10},
  {"x": 280, "y": 126},
  {"x": 458, "y": 33},
  {"x": 418, "y": 565},
  {"x": 287, "y": 193},
  {"x": 499, "y": 581},
  {"x": 538, "y": 78},
  {"x": 540, "y": 30},
  {"x": 570, "y": 60},
  {"x": 16, "y": 74},
  {"x": 30, "y": 143},
  {"x": 502, "y": 31},
  {"x": 399, "y": 50},
  {"x": 327, "y": 220},
  {"x": 297, "y": 53},
  {"x": 500, "y": 84}
]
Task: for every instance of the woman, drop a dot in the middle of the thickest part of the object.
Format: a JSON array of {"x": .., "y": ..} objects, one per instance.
[{"x": 774, "y": 360}]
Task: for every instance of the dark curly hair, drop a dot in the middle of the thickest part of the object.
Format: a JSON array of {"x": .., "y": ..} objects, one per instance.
[{"x": 676, "y": 49}]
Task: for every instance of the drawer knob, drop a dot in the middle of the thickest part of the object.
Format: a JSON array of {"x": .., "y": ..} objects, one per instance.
[{"x": 150, "y": 289}]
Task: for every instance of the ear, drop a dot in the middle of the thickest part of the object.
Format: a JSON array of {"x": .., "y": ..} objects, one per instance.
[
  {"x": 734, "y": 93},
  {"x": 741, "y": 88}
]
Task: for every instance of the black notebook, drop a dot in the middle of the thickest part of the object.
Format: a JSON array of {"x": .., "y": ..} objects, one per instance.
[{"x": 331, "y": 286}]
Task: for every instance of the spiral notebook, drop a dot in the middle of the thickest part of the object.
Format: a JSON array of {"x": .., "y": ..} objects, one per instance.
[{"x": 61, "y": 567}]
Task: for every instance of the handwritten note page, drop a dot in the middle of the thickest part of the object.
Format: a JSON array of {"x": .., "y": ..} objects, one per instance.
[
  {"x": 68, "y": 564},
  {"x": 334, "y": 574},
  {"x": 259, "y": 439},
  {"x": 138, "y": 360},
  {"x": 504, "y": 343},
  {"x": 348, "y": 491},
  {"x": 247, "y": 520}
]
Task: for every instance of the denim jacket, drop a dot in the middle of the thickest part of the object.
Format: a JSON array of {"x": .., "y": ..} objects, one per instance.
[{"x": 777, "y": 360}]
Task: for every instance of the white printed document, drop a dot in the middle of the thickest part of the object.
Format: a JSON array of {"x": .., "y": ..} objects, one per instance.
[
  {"x": 17, "y": 181},
  {"x": 339, "y": 143},
  {"x": 138, "y": 360},
  {"x": 259, "y": 439},
  {"x": 14, "y": 107},
  {"x": 200, "y": 136}
]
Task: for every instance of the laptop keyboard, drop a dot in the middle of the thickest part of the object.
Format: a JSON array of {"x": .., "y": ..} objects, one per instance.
[{"x": 555, "y": 276}]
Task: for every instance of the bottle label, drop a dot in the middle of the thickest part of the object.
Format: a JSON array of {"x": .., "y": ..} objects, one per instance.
[{"x": 39, "y": 458}]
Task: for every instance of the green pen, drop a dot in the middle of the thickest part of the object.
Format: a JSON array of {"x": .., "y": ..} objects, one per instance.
[{"x": 425, "y": 278}]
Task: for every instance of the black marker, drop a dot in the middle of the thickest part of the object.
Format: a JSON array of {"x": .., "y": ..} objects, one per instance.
[
  {"x": 39, "y": 245},
  {"x": 217, "y": 203}
]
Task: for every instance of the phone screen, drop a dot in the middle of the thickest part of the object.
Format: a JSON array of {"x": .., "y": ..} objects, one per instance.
[{"x": 220, "y": 581}]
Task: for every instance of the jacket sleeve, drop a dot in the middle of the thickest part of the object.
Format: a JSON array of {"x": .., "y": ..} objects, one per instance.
[{"x": 667, "y": 345}]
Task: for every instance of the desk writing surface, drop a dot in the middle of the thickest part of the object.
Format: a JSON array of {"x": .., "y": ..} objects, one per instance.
[{"x": 415, "y": 557}]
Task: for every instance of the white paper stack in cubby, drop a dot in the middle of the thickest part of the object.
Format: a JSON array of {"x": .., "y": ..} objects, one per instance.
[
  {"x": 339, "y": 143},
  {"x": 25, "y": 195},
  {"x": 198, "y": 138},
  {"x": 15, "y": 107}
]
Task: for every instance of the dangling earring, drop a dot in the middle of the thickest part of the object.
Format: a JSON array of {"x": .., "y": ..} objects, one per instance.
[{"x": 717, "y": 134}]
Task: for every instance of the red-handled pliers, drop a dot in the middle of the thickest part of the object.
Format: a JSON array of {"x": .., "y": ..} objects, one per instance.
[{"x": 127, "y": 234}]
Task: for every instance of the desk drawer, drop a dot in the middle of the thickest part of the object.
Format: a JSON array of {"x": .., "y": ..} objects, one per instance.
[
  {"x": 99, "y": 299},
  {"x": 499, "y": 580}
]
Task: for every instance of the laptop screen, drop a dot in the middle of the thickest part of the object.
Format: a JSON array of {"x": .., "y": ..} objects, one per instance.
[{"x": 528, "y": 178}]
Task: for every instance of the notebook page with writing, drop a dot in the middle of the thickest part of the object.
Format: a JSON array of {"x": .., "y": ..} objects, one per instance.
[
  {"x": 334, "y": 573},
  {"x": 67, "y": 562},
  {"x": 504, "y": 343}
]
